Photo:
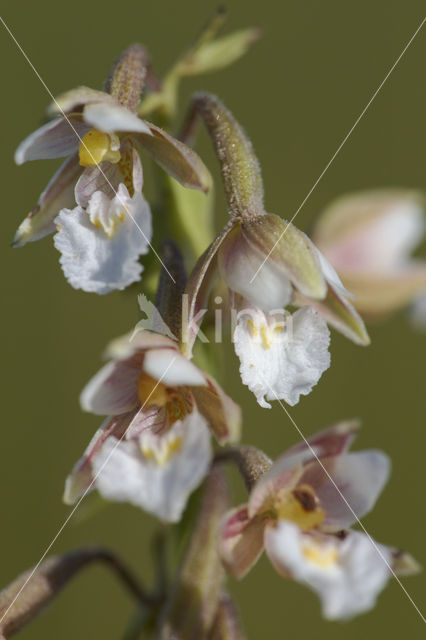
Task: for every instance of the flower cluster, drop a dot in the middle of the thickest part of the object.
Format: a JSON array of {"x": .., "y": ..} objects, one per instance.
[{"x": 160, "y": 403}]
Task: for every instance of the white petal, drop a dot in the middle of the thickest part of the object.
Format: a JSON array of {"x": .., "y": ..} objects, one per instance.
[
  {"x": 346, "y": 574},
  {"x": 113, "y": 389},
  {"x": 113, "y": 117},
  {"x": 243, "y": 271},
  {"x": 172, "y": 368},
  {"x": 282, "y": 364},
  {"x": 80, "y": 479},
  {"x": 56, "y": 139},
  {"x": 58, "y": 194},
  {"x": 94, "y": 262},
  {"x": 382, "y": 244},
  {"x": 329, "y": 442},
  {"x": 78, "y": 483},
  {"x": 331, "y": 275},
  {"x": 76, "y": 98},
  {"x": 127, "y": 344},
  {"x": 360, "y": 477},
  {"x": 126, "y": 475}
]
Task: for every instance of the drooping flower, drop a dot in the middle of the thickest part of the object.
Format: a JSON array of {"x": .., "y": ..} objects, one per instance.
[
  {"x": 95, "y": 200},
  {"x": 347, "y": 572},
  {"x": 299, "y": 512},
  {"x": 155, "y": 448},
  {"x": 268, "y": 265},
  {"x": 368, "y": 237}
]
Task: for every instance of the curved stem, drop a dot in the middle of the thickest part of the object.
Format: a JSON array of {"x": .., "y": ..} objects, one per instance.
[{"x": 127, "y": 578}]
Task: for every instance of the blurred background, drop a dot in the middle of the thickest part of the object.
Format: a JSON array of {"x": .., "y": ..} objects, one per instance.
[{"x": 298, "y": 92}]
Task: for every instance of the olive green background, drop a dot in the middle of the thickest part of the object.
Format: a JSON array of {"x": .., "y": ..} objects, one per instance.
[{"x": 297, "y": 93}]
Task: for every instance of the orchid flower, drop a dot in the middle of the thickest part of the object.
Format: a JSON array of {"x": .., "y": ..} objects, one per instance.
[
  {"x": 154, "y": 449},
  {"x": 268, "y": 265},
  {"x": 299, "y": 511},
  {"x": 95, "y": 201},
  {"x": 347, "y": 572},
  {"x": 368, "y": 237}
]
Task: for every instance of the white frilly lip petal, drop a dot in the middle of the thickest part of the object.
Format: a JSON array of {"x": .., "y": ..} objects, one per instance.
[
  {"x": 359, "y": 476},
  {"x": 113, "y": 390},
  {"x": 348, "y": 584},
  {"x": 92, "y": 261},
  {"x": 56, "y": 139},
  {"x": 110, "y": 117},
  {"x": 293, "y": 362},
  {"x": 242, "y": 269},
  {"x": 125, "y": 475},
  {"x": 172, "y": 368}
]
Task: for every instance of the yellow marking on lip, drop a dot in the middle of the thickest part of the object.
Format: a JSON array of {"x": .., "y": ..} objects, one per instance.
[
  {"x": 164, "y": 450},
  {"x": 111, "y": 230},
  {"x": 96, "y": 147},
  {"x": 323, "y": 558},
  {"x": 253, "y": 329},
  {"x": 267, "y": 342}
]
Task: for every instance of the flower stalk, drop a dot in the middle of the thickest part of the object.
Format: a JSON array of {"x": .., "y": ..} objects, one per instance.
[{"x": 43, "y": 584}]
